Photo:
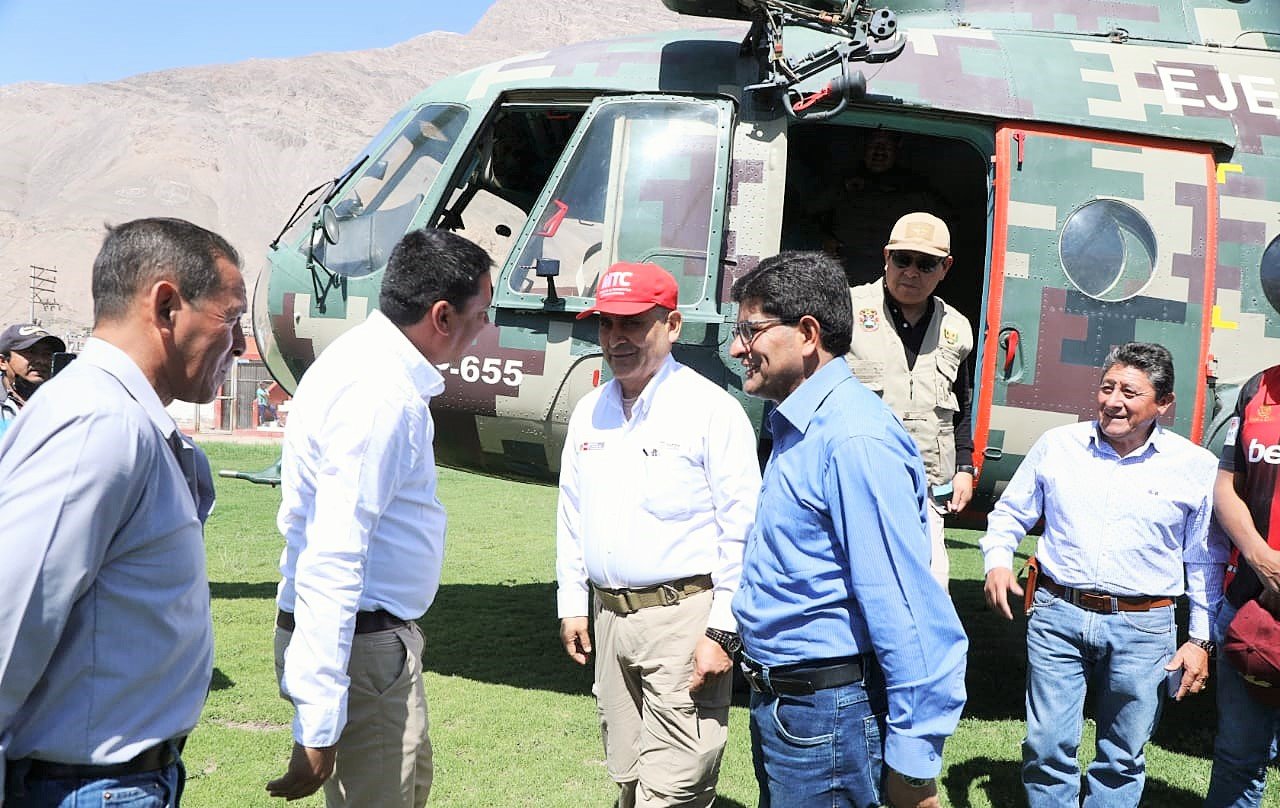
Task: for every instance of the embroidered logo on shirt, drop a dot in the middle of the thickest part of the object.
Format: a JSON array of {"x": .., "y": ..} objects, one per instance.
[
  {"x": 589, "y": 446},
  {"x": 1262, "y": 413},
  {"x": 950, "y": 336},
  {"x": 869, "y": 319}
]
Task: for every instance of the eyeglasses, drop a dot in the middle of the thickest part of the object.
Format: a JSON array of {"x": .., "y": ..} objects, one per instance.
[
  {"x": 927, "y": 264},
  {"x": 748, "y": 330}
]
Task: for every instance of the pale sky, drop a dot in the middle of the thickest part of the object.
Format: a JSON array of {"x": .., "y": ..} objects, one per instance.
[{"x": 80, "y": 41}]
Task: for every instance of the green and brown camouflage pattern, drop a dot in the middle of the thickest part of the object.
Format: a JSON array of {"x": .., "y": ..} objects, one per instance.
[{"x": 1171, "y": 108}]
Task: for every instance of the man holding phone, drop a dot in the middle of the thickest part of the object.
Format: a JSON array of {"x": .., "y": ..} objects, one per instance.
[
  {"x": 912, "y": 348},
  {"x": 1126, "y": 506}
]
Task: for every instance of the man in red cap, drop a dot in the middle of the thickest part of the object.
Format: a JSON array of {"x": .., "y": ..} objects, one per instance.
[{"x": 658, "y": 486}]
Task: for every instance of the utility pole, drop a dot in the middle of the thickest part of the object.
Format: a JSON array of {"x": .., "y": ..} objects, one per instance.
[{"x": 43, "y": 285}]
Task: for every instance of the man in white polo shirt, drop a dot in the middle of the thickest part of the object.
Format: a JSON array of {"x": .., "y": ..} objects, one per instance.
[{"x": 658, "y": 487}]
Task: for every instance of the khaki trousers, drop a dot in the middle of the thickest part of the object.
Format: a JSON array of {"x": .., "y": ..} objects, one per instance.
[
  {"x": 662, "y": 745},
  {"x": 939, "y": 562},
  {"x": 384, "y": 755}
]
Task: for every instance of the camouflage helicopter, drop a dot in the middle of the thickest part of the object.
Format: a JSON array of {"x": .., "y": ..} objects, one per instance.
[{"x": 1110, "y": 170}]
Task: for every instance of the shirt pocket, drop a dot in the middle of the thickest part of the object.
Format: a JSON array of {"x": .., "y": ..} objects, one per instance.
[
  {"x": 869, "y": 372},
  {"x": 675, "y": 484},
  {"x": 947, "y": 363}
]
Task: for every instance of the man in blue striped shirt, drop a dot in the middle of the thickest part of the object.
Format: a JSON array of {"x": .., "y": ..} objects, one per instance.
[
  {"x": 853, "y": 651},
  {"x": 1126, "y": 505}
]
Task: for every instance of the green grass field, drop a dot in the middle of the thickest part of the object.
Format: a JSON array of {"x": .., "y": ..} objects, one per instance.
[{"x": 512, "y": 719}]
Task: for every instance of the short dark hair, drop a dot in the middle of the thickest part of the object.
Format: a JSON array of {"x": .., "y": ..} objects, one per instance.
[
  {"x": 143, "y": 251},
  {"x": 427, "y": 266},
  {"x": 1148, "y": 357},
  {"x": 792, "y": 284}
]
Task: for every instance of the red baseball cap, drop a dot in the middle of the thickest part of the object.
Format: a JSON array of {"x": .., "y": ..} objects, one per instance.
[
  {"x": 1252, "y": 646},
  {"x": 627, "y": 289}
]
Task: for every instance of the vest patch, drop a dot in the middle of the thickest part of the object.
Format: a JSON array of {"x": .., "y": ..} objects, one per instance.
[{"x": 868, "y": 319}]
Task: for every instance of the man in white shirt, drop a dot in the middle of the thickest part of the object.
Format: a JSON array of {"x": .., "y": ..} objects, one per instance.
[
  {"x": 658, "y": 486},
  {"x": 364, "y": 531}
]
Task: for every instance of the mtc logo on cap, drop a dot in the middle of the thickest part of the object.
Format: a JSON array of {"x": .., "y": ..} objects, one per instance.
[{"x": 627, "y": 289}]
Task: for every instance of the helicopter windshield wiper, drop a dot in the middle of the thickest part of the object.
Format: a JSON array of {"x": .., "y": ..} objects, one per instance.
[{"x": 332, "y": 185}]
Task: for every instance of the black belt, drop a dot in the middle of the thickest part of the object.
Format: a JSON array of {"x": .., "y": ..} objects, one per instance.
[
  {"x": 160, "y": 756},
  {"x": 366, "y": 622},
  {"x": 802, "y": 679}
]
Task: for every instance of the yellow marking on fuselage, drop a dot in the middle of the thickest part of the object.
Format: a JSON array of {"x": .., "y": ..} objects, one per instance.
[
  {"x": 1223, "y": 168},
  {"x": 1218, "y": 322}
]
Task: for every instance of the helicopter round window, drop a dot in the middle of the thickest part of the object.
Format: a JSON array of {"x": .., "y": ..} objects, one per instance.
[
  {"x": 1270, "y": 272},
  {"x": 1108, "y": 250}
]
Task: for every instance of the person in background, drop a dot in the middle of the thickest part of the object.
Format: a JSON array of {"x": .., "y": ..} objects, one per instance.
[
  {"x": 912, "y": 348},
  {"x": 26, "y": 360}
]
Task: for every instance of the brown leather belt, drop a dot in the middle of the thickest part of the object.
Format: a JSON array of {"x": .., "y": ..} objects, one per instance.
[
  {"x": 366, "y": 622},
  {"x": 629, "y": 601},
  {"x": 1100, "y": 601},
  {"x": 148, "y": 760}
]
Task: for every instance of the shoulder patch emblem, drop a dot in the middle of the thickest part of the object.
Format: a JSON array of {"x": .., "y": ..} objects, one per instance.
[
  {"x": 950, "y": 337},
  {"x": 868, "y": 319}
]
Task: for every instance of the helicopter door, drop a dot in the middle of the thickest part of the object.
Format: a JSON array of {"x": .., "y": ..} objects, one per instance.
[
  {"x": 1097, "y": 241},
  {"x": 637, "y": 182}
]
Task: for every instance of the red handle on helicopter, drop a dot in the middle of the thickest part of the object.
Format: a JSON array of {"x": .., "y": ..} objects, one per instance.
[
  {"x": 813, "y": 98},
  {"x": 553, "y": 224},
  {"x": 1011, "y": 340}
]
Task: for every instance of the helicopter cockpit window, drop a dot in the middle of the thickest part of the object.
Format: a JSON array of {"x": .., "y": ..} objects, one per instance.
[
  {"x": 638, "y": 187},
  {"x": 1108, "y": 250},
  {"x": 375, "y": 211}
]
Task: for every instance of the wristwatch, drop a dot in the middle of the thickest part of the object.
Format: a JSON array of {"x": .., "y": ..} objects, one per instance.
[
  {"x": 730, "y": 642},
  {"x": 966, "y": 469},
  {"x": 1209, "y": 646}
]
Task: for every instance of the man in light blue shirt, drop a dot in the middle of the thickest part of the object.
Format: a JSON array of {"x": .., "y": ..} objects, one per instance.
[
  {"x": 844, "y": 630},
  {"x": 106, "y": 644},
  {"x": 1126, "y": 505}
]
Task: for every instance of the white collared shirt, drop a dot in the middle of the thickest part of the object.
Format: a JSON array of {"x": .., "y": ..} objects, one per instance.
[
  {"x": 363, "y": 528},
  {"x": 668, "y": 494},
  {"x": 106, "y": 644}
]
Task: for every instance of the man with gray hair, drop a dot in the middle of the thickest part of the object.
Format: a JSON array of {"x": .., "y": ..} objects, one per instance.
[
  {"x": 106, "y": 643},
  {"x": 1126, "y": 506}
]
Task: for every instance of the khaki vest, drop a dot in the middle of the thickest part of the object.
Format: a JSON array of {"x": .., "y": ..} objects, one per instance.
[{"x": 922, "y": 397}]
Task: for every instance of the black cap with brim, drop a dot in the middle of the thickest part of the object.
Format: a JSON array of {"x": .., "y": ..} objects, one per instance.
[{"x": 21, "y": 336}]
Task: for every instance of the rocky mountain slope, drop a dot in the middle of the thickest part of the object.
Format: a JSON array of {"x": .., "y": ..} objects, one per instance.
[{"x": 231, "y": 147}]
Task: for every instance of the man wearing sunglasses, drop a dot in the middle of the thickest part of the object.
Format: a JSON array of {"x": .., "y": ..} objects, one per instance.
[
  {"x": 912, "y": 348},
  {"x": 658, "y": 487}
]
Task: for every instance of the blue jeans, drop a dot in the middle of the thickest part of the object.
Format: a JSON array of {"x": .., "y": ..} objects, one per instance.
[
  {"x": 1247, "y": 734},
  {"x": 1123, "y": 656},
  {"x": 823, "y": 749},
  {"x": 156, "y": 789}
]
